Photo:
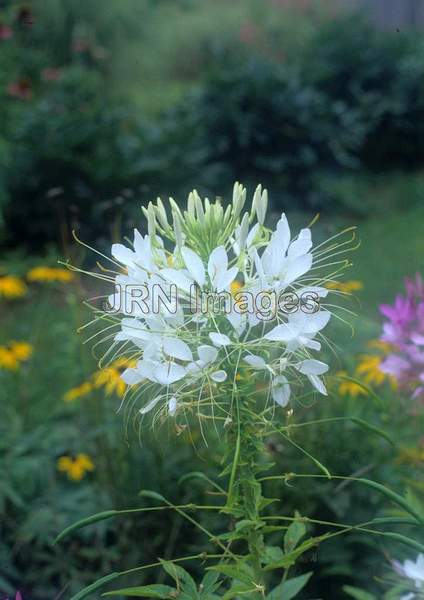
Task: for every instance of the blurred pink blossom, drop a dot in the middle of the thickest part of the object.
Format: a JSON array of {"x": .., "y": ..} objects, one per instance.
[
  {"x": 21, "y": 89},
  {"x": 404, "y": 331},
  {"x": 51, "y": 74},
  {"x": 6, "y": 32},
  {"x": 248, "y": 32}
]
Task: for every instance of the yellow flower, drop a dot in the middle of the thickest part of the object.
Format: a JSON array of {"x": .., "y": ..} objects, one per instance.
[
  {"x": 235, "y": 287},
  {"x": 124, "y": 363},
  {"x": 384, "y": 347},
  {"x": 12, "y": 287},
  {"x": 77, "y": 392},
  {"x": 110, "y": 379},
  {"x": 50, "y": 274},
  {"x": 412, "y": 456},
  {"x": 345, "y": 286},
  {"x": 8, "y": 360},
  {"x": 21, "y": 350},
  {"x": 13, "y": 354},
  {"x": 369, "y": 369},
  {"x": 350, "y": 388},
  {"x": 75, "y": 468}
]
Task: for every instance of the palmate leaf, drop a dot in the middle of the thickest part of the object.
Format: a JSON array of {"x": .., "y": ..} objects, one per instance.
[
  {"x": 240, "y": 571},
  {"x": 289, "y": 559},
  {"x": 183, "y": 580},
  {"x": 145, "y": 591},
  {"x": 210, "y": 583},
  {"x": 294, "y": 533},
  {"x": 289, "y": 588}
]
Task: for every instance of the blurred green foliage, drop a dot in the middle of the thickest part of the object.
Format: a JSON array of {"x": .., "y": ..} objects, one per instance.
[{"x": 103, "y": 108}]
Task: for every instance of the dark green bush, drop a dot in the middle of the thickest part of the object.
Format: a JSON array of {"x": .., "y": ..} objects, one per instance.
[
  {"x": 75, "y": 159},
  {"x": 352, "y": 100}
]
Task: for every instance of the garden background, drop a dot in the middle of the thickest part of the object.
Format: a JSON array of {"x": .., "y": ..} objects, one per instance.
[{"x": 103, "y": 107}]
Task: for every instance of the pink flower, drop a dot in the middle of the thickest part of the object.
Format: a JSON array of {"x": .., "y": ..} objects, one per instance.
[
  {"x": 51, "y": 74},
  {"x": 80, "y": 45},
  {"x": 404, "y": 331},
  {"x": 248, "y": 33},
  {"x": 6, "y": 32},
  {"x": 21, "y": 89}
]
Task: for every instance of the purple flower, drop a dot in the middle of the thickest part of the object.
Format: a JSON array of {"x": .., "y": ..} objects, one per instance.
[{"x": 404, "y": 331}]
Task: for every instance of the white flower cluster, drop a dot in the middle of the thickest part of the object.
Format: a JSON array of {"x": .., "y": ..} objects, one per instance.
[
  {"x": 413, "y": 571},
  {"x": 199, "y": 356}
]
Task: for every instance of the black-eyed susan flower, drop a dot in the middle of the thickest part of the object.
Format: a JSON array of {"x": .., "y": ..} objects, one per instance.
[
  {"x": 347, "y": 387},
  {"x": 78, "y": 392},
  {"x": 12, "y": 287},
  {"x": 49, "y": 274},
  {"x": 75, "y": 468},
  {"x": 13, "y": 354}
]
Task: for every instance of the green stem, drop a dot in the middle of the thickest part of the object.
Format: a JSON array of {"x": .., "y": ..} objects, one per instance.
[{"x": 245, "y": 490}]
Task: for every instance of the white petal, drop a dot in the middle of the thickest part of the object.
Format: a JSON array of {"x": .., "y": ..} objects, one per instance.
[
  {"x": 281, "y": 333},
  {"x": 302, "y": 245},
  {"x": 219, "y": 339},
  {"x": 257, "y": 362},
  {"x": 251, "y": 235},
  {"x": 311, "y": 367},
  {"x": 316, "y": 321},
  {"x": 177, "y": 349},
  {"x": 178, "y": 278},
  {"x": 296, "y": 267},
  {"x": 318, "y": 384},
  {"x": 207, "y": 354},
  {"x": 312, "y": 344},
  {"x": 223, "y": 280},
  {"x": 172, "y": 406},
  {"x": 218, "y": 263},
  {"x": 283, "y": 232},
  {"x": 168, "y": 373},
  {"x": 281, "y": 391},
  {"x": 194, "y": 265},
  {"x": 238, "y": 321},
  {"x": 322, "y": 292},
  {"x": 131, "y": 376},
  {"x": 148, "y": 407},
  {"x": 123, "y": 254},
  {"x": 219, "y": 376}
]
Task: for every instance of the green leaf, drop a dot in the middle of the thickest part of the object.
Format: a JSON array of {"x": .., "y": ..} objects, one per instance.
[
  {"x": 272, "y": 554},
  {"x": 400, "y": 500},
  {"x": 294, "y": 533},
  {"x": 107, "y": 514},
  {"x": 379, "y": 402},
  {"x": 398, "y": 537},
  {"x": 240, "y": 572},
  {"x": 95, "y": 586},
  {"x": 153, "y": 495},
  {"x": 199, "y": 475},
  {"x": 373, "y": 429},
  {"x": 289, "y": 559},
  {"x": 316, "y": 462},
  {"x": 145, "y": 591},
  {"x": 238, "y": 590},
  {"x": 182, "y": 579},
  {"x": 358, "y": 594},
  {"x": 210, "y": 582},
  {"x": 289, "y": 588}
]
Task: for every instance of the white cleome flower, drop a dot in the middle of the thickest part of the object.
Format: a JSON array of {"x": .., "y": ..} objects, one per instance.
[
  {"x": 412, "y": 570},
  {"x": 187, "y": 355}
]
